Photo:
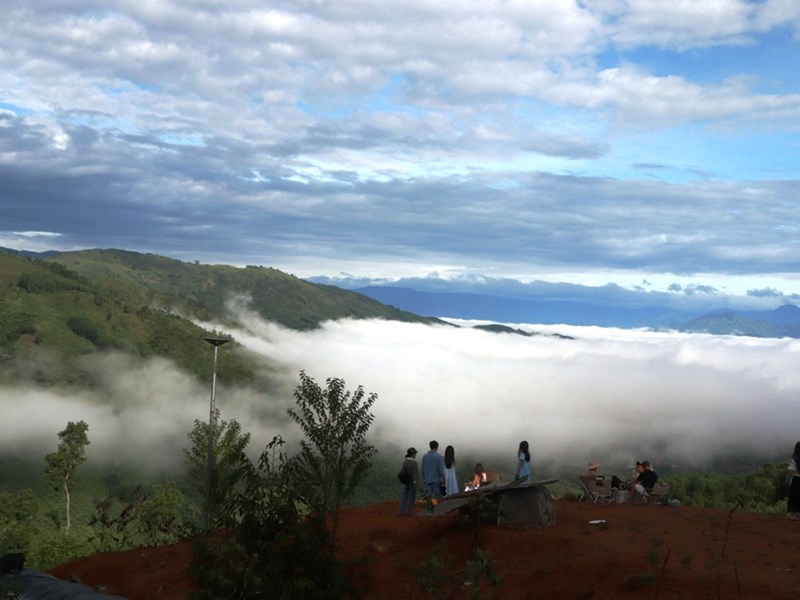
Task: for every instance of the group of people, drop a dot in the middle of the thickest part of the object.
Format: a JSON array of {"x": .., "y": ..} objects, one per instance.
[
  {"x": 640, "y": 482},
  {"x": 438, "y": 476}
]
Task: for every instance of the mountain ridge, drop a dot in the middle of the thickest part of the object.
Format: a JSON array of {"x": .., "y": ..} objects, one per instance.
[
  {"x": 55, "y": 310},
  {"x": 304, "y": 303},
  {"x": 783, "y": 321}
]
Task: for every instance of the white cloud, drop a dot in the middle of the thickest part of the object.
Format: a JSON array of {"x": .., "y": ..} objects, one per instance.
[
  {"x": 607, "y": 393},
  {"x": 479, "y": 135},
  {"x": 613, "y": 395},
  {"x": 684, "y": 24}
]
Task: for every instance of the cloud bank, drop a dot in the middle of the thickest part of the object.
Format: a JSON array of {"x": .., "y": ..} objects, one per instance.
[{"x": 612, "y": 395}]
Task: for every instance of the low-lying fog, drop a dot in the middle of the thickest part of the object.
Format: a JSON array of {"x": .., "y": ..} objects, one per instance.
[{"x": 612, "y": 395}]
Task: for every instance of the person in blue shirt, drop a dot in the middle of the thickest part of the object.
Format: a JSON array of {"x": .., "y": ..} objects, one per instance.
[
  {"x": 523, "y": 472},
  {"x": 433, "y": 471}
]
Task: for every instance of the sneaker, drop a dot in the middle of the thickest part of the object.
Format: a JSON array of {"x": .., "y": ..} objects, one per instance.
[{"x": 793, "y": 516}]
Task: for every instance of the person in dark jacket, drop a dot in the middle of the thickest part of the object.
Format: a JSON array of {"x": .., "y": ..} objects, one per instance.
[
  {"x": 793, "y": 479},
  {"x": 643, "y": 483},
  {"x": 409, "y": 495}
]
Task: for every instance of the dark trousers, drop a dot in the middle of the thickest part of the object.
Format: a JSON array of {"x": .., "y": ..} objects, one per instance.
[
  {"x": 433, "y": 490},
  {"x": 407, "y": 499},
  {"x": 794, "y": 495}
]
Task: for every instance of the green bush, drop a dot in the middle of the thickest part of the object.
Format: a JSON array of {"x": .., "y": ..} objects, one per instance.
[
  {"x": 763, "y": 492},
  {"x": 269, "y": 547},
  {"x": 16, "y": 324},
  {"x": 274, "y": 540},
  {"x": 138, "y": 518},
  {"x": 54, "y": 547},
  {"x": 46, "y": 283},
  {"x": 164, "y": 515},
  {"x": 435, "y": 575},
  {"x": 85, "y": 328},
  {"x": 479, "y": 567},
  {"x": 17, "y": 520}
]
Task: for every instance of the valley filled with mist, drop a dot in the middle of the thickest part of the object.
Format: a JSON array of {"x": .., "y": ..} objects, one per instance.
[
  {"x": 573, "y": 392},
  {"x": 614, "y": 395},
  {"x": 686, "y": 402}
]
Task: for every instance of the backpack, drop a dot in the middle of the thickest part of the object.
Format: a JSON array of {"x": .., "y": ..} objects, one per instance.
[{"x": 404, "y": 476}]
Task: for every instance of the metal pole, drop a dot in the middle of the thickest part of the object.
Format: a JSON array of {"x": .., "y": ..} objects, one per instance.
[{"x": 216, "y": 342}]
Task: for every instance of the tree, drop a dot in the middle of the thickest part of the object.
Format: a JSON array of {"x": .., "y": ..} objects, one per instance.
[
  {"x": 270, "y": 547},
  {"x": 62, "y": 463},
  {"x": 229, "y": 458},
  {"x": 334, "y": 456},
  {"x": 276, "y": 541}
]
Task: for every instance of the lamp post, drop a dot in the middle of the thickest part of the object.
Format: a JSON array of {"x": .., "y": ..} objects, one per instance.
[{"x": 216, "y": 342}]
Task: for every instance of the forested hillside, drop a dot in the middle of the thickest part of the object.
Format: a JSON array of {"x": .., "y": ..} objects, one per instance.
[
  {"x": 50, "y": 317},
  {"x": 273, "y": 294},
  {"x": 54, "y": 311}
]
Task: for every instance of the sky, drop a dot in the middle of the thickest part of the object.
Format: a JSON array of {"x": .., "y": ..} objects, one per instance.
[
  {"x": 611, "y": 395},
  {"x": 643, "y": 143}
]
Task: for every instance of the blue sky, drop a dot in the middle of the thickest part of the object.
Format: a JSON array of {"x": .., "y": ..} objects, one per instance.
[{"x": 643, "y": 143}]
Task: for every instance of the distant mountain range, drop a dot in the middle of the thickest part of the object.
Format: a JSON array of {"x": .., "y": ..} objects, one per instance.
[
  {"x": 202, "y": 289},
  {"x": 780, "y": 322},
  {"x": 783, "y": 321}
]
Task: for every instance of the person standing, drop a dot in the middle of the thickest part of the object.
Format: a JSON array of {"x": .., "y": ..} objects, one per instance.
[
  {"x": 433, "y": 471},
  {"x": 793, "y": 479},
  {"x": 450, "y": 477},
  {"x": 523, "y": 472},
  {"x": 409, "y": 495}
]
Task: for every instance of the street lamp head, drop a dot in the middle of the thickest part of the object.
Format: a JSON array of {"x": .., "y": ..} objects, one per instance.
[{"x": 216, "y": 341}]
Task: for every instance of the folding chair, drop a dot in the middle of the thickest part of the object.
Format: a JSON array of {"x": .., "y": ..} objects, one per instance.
[
  {"x": 659, "y": 493},
  {"x": 591, "y": 490}
]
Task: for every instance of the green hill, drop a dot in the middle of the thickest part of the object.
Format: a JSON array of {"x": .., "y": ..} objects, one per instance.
[
  {"x": 200, "y": 288},
  {"x": 55, "y": 311},
  {"x": 51, "y": 317}
]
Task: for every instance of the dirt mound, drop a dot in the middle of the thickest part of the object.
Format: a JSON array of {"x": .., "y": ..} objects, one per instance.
[{"x": 595, "y": 551}]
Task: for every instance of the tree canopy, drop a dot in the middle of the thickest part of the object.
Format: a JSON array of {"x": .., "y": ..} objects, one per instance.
[{"x": 62, "y": 463}]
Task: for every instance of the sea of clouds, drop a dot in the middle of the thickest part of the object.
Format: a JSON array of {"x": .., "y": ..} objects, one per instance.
[{"x": 573, "y": 392}]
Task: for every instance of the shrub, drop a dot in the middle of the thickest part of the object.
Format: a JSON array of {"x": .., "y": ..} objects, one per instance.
[
  {"x": 479, "y": 567},
  {"x": 46, "y": 283},
  {"x": 17, "y": 520},
  {"x": 335, "y": 457},
  {"x": 274, "y": 540},
  {"x": 435, "y": 576},
  {"x": 85, "y": 328},
  {"x": 268, "y": 548}
]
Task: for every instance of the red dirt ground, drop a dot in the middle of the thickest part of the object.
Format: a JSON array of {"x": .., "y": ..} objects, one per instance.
[{"x": 640, "y": 552}]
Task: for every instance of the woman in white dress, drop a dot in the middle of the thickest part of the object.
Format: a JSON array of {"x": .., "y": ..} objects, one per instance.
[{"x": 450, "y": 478}]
